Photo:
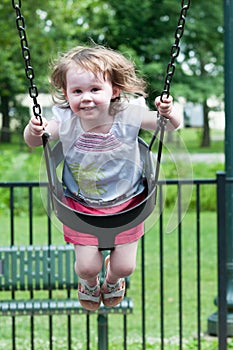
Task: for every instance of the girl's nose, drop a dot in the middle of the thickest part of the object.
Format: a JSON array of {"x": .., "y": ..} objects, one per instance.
[{"x": 86, "y": 96}]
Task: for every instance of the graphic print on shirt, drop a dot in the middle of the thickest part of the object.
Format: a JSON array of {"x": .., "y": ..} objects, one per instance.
[
  {"x": 88, "y": 177},
  {"x": 90, "y": 173}
]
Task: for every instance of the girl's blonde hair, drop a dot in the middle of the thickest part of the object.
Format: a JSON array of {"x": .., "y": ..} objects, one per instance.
[{"x": 114, "y": 66}]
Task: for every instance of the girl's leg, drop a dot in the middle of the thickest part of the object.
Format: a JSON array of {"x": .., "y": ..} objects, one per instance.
[
  {"x": 88, "y": 263},
  {"x": 87, "y": 266},
  {"x": 122, "y": 262}
]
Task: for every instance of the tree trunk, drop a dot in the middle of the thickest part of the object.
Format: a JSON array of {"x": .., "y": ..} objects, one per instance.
[
  {"x": 5, "y": 132},
  {"x": 206, "y": 128}
]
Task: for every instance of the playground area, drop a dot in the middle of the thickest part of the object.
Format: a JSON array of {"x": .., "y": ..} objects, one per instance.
[
  {"x": 169, "y": 302},
  {"x": 180, "y": 295}
]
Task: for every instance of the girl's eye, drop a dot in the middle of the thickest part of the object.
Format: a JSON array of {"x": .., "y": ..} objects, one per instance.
[
  {"x": 95, "y": 89},
  {"x": 77, "y": 92}
]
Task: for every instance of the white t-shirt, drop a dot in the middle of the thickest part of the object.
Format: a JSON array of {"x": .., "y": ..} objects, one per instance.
[{"x": 102, "y": 169}]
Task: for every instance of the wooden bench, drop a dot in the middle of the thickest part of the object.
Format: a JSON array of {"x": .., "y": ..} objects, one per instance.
[{"x": 44, "y": 268}]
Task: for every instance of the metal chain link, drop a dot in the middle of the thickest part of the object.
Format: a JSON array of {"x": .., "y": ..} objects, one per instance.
[
  {"x": 174, "y": 53},
  {"x": 29, "y": 71},
  {"x": 175, "y": 49}
]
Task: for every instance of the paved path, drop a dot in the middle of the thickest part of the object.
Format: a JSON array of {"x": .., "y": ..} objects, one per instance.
[{"x": 207, "y": 158}]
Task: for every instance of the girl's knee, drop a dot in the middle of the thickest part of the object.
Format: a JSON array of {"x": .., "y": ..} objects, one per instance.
[
  {"x": 88, "y": 262},
  {"x": 123, "y": 270},
  {"x": 123, "y": 259},
  {"x": 86, "y": 271}
]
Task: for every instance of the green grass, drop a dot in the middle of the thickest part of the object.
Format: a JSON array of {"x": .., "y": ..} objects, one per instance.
[
  {"x": 171, "y": 300},
  {"x": 190, "y": 139},
  {"x": 20, "y": 164}
]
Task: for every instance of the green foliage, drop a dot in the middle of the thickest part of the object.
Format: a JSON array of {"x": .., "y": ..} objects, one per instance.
[
  {"x": 20, "y": 167},
  {"x": 208, "y": 192},
  {"x": 54, "y": 26},
  {"x": 18, "y": 164}
]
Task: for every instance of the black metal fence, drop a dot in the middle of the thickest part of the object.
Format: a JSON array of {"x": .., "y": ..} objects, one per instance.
[{"x": 180, "y": 271}]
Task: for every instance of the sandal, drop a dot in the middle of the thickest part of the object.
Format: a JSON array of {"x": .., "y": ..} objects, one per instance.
[
  {"x": 89, "y": 297},
  {"x": 112, "y": 294}
]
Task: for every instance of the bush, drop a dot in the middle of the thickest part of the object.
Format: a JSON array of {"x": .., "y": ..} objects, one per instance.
[{"x": 24, "y": 165}]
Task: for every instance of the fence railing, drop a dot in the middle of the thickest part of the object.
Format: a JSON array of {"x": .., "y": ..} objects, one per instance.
[{"x": 181, "y": 267}]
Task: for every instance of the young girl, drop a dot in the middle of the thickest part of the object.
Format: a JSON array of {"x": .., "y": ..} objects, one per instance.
[{"x": 98, "y": 123}]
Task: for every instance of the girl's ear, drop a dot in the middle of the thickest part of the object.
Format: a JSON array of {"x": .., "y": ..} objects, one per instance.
[
  {"x": 115, "y": 92},
  {"x": 65, "y": 94}
]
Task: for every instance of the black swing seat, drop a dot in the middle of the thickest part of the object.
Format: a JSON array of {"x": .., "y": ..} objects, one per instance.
[{"x": 105, "y": 226}]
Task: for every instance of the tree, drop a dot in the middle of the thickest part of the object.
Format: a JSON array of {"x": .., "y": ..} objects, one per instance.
[
  {"x": 52, "y": 26},
  {"x": 144, "y": 30},
  {"x": 7, "y": 83},
  {"x": 12, "y": 74},
  {"x": 148, "y": 28},
  {"x": 201, "y": 68}
]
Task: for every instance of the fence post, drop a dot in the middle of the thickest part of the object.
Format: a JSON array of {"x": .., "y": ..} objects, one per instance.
[
  {"x": 222, "y": 271},
  {"x": 102, "y": 332},
  {"x": 227, "y": 202},
  {"x": 217, "y": 322}
]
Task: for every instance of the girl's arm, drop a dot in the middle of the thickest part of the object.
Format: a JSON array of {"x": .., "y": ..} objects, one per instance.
[
  {"x": 34, "y": 131},
  {"x": 167, "y": 110}
]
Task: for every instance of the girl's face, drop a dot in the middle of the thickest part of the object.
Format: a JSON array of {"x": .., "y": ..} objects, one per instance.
[{"x": 89, "y": 96}]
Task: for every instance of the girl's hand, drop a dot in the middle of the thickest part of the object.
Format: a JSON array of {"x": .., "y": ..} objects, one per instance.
[
  {"x": 164, "y": 107},
  {"x": 34, "y": 127}
]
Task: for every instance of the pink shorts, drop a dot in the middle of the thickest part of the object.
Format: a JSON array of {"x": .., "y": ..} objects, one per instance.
[{"x": 124, "y": 237}]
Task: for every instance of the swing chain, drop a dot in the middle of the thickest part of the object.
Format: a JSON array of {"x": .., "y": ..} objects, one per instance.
[
  {"x": 174, "y": 53},
  {"x": 175, "y": 49},
  {"x": 29, "y": 71}
]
